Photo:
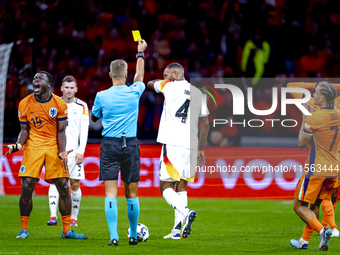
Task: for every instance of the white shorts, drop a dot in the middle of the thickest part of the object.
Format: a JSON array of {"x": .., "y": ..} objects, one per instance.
[
  {"x": 76, "y": 171},
  {"x": 177, "y": 163}
]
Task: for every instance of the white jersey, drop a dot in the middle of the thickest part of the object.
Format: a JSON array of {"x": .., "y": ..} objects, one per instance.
[
  {"x": 77, "y": 127},
  {"x": 183, "y": 105}
]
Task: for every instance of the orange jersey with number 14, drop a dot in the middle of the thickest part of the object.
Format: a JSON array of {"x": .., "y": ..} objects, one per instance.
[
  {"x": 324, "y": 126},
  {"x": 42, "y": 119}
]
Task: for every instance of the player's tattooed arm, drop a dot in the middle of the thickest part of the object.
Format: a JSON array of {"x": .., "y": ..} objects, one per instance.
[
  {"x": 204, "y": 129},
  {"x": 62, "y": 140},
  {"x": 151, "y": 84},
  {"x": 23, "y": 136}
]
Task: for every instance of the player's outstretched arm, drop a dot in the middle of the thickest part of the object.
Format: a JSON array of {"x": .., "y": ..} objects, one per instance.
[
  {"x": 151, "y": 84},
  {"x": 204, "y": 129},
  {"x": 139, "y": 76},
  {"x": 23, "y": 136}
]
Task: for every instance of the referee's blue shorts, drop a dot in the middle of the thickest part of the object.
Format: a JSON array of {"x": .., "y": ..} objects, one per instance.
[{"x": 113, "y": 157}]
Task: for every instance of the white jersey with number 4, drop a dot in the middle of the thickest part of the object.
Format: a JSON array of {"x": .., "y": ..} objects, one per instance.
[
  {"x": 77, "y": 127},
  {"x": 183, "y": 105}
]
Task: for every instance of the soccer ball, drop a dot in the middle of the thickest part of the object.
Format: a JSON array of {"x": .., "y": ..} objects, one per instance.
[{"x": 142, "y": 231}]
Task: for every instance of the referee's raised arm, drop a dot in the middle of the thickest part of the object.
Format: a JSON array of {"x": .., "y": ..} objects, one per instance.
[
  {"x": 140, "y": 61},
  {"x": 117, "y": 107}
]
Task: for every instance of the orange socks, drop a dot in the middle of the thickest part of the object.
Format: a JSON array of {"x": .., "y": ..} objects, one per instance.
[
  {"x": 24, "y": 222},
  {"x": 315, "y": 225},
  {"x": 65, "y": 219},
  {"x": 66, "y": 223},
  {"x": 328, "y": 214},
  {"x": 307, "y": 233}
]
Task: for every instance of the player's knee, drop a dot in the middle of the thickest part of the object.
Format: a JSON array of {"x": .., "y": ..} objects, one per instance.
[
  {"x": 162, "y": 188},
  {"x": 27, "y": 190},
  {"x": 27, "y": 187},
  {"x": 131, "y": 191},
  {"x": 75, "y": 185},
  {"x": 62, "y": 185},
  {"x": 131, "y": 195}
]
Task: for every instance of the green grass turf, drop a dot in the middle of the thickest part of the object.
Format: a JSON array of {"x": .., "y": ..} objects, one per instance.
[{"x": 222, "y": 226}]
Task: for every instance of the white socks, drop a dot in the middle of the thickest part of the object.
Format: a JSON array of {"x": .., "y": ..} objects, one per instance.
[
  {"x": 175, "y": 201},
  {"x": 302, "y": 241},
  {"x": 179, "y": 218},
  {"x": 53, "y": 199},
  {"x": 76, "y": 198},
  {"x": 321, "y": 231}
]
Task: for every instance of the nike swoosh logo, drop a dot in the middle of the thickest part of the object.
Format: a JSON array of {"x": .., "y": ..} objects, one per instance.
[{"x": 33, "y": 112}]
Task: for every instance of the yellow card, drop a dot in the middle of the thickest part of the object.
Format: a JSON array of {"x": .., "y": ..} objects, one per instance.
[{"x": 136, "y": 35}]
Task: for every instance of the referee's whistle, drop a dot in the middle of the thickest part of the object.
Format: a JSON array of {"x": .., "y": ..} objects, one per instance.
[{"x": 123, "y": 141}]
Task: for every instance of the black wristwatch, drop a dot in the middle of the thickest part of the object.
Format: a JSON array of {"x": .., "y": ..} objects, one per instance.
[{"x": 140, "y": 55}]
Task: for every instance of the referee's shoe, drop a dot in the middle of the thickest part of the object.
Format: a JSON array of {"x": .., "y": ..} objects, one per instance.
[{"x": 135, "y": 241}]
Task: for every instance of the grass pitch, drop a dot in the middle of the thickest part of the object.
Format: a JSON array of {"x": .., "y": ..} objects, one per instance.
[{"x": 221, "y": 227}]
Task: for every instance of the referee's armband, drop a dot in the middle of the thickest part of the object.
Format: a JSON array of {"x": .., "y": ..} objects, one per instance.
[{"x": 140, "y": 55}]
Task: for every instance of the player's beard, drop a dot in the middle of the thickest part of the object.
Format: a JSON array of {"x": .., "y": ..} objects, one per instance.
[{"x": 69, "y": 97}]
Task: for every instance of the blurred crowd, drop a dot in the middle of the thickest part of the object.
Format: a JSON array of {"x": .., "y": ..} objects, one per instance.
[{"x": 211, "y": 39}]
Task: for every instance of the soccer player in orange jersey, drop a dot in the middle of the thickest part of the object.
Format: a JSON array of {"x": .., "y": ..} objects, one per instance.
[
  {"x": 320, "y": 131},
  {"x": 43, "y": 120},
  {"x": 328, "y": 206}
]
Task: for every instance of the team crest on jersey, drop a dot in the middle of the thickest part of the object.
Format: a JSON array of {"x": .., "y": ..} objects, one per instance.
[
  {"x": 53, "y": 112},
  {"x": 19, "y": 113},
  {"x": 22, "y": 169}
]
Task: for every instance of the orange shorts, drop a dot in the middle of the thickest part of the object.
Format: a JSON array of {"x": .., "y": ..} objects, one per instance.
[
  {"x": 314, "y": 187},
  {"x": 34, "y": 160}
]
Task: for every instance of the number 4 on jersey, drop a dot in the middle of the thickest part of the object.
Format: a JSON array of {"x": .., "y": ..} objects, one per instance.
[{"x": 182, "y": 112}]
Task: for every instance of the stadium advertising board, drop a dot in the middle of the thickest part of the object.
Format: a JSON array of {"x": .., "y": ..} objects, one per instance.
[{"x": 228, "y": 173}]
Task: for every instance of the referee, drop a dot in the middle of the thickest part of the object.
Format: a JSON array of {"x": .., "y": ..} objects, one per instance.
[{"x": 118, "y": 109}]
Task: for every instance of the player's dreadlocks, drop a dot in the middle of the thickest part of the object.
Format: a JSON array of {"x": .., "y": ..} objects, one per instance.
[
  {"x": 322, "y": 80},
  {"x": 329, "y": 92}
]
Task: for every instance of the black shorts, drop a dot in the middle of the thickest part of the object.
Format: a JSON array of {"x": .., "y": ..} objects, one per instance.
[{"x": 113, "y": 157}]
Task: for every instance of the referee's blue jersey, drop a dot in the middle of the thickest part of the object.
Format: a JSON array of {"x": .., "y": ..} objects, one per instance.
[{"x": 118, "y": 108}]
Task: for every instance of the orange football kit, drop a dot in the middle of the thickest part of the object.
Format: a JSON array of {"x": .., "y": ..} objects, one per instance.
[
  {"x": 41, "y": 146},
  {"x": 309, "y": 85},
  {"x": 322, "y": 166}
]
